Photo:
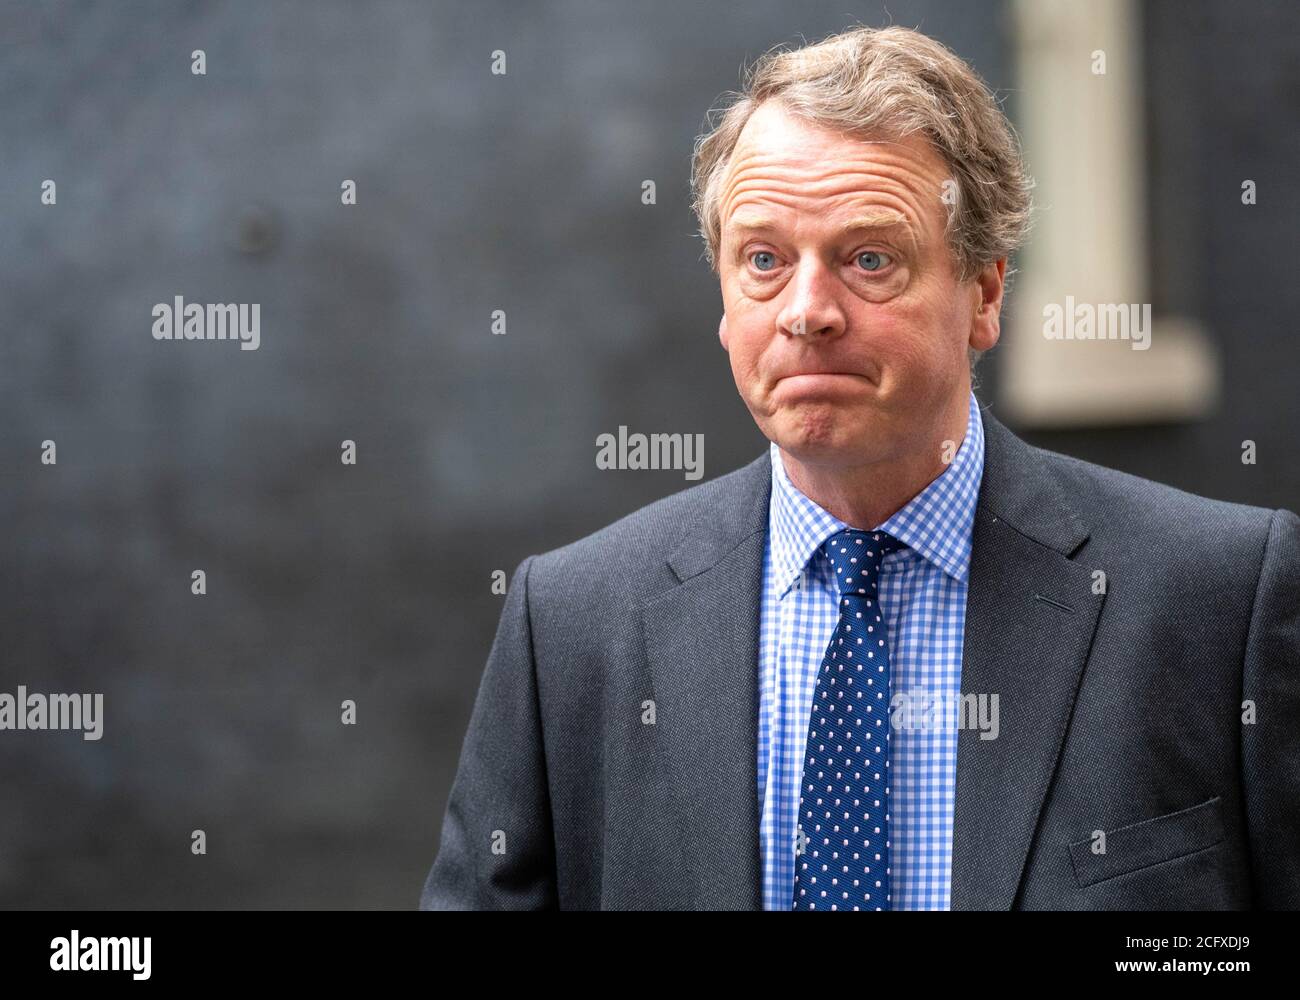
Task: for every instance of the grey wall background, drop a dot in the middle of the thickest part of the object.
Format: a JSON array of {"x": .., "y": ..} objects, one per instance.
[
  {"x": 1222, "y": 105},
  {"x": 475, "y": 192}
]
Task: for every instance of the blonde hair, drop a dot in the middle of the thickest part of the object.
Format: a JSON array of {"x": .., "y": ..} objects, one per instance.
[{"x": 886, "y": 83}]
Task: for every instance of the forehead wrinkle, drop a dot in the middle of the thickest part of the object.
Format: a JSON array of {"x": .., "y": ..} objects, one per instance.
[
  {"x": 795, "y": 155},
  {"x": 743, "y": 214},
  {"x": 828, "y": 163},
  {"x": 752, "y": 173}
]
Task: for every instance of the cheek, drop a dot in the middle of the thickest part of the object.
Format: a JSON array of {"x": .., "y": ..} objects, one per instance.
[
  {"x": 934, "y": 316},
  {"x": 746, "y": 352},
  {"x": 899, "y": 328},
  {"x": 748, "y": 334},
  {"x": 912, "y": 340}
]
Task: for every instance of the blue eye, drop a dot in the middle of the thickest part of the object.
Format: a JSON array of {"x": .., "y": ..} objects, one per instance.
[
  {"x": 756, "y": 257},
  {"x": 873, "y": 260}
]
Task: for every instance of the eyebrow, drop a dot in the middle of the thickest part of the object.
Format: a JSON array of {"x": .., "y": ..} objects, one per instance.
[{"x": 871, "y": 222}]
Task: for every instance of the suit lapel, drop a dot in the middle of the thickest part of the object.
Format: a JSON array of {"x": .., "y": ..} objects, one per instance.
[
  {"x": 702, "y": 649},
  {"x": 1030, "y": 617}
]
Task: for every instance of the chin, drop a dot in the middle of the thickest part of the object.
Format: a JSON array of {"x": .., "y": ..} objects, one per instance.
[{"x": 819, "y": 438}]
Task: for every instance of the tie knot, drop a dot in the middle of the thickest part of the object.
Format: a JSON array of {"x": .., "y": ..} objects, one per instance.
[{"x": 855, "y": 557}]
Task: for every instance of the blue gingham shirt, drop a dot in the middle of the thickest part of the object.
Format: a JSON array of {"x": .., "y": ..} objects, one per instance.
[{"x": 923, "y": 599}]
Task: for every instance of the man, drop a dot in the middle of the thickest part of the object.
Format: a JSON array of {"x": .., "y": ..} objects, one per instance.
[{"x": 711, "y": 703}]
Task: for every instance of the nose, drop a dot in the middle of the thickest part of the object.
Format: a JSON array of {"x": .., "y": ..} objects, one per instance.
[{"x": 811, "y": 308}]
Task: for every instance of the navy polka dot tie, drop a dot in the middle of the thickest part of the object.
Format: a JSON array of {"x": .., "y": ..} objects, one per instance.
[{"x": 842, "y": 837}]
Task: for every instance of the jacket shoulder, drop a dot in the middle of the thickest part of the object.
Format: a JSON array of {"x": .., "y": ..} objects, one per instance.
[
  {"x": 1144, "y": 509},
  {"x": 642, "y": 540}
]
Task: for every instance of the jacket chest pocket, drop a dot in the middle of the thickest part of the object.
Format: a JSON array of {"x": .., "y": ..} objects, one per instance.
[{"x": 1151, "y": 842}]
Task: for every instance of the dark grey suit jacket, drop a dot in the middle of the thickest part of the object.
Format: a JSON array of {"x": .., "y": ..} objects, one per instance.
[{"x": 1120, "y": 711}]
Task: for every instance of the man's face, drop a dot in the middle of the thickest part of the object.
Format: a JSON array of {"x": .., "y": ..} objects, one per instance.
[{"x": 845, "y": 323}]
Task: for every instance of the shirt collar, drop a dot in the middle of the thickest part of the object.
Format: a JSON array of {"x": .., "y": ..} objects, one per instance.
[{"x": 936, "y": 523}]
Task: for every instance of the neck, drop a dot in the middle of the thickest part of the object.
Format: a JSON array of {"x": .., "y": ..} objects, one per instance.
[{"x": 866, "y": 495}]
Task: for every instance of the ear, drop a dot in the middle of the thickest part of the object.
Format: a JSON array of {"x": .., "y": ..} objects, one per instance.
[
  {"x": 986, "y": 325},
  {"x": 722, "y": 331}
]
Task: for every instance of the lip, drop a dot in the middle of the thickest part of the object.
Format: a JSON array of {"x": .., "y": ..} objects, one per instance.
[
  {"x": 817, "y": 376},
  {"x": 818, "y": 372}
]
